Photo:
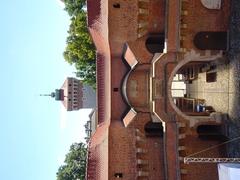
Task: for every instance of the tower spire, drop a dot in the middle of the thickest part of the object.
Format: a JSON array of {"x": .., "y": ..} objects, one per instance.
[{"x": 53, "y": 94}]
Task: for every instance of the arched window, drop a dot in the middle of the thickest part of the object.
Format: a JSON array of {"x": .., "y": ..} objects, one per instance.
[
  {"x": 153, "y": 129},
  {"x": 155, "y": 43},
  {"x": 211, "y": 40}
]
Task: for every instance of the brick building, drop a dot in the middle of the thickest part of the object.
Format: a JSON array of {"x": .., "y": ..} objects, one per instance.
[
  {"x": 159, "y": 65},
  {"x": 75, "y": 95}
]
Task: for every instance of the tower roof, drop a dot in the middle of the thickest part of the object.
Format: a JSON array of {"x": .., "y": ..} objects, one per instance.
[{"x": 58, "y": 95}]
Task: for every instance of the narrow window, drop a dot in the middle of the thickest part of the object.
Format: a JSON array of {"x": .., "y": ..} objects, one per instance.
[
  {"x": 116, "y": 5},
  {"x": 115, "y": 89}
]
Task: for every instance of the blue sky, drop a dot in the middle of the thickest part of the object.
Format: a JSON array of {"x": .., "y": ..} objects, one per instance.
[{"x": 36, "y": 132}]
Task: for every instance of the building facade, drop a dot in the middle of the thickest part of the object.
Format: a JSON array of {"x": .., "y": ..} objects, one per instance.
[
  {"x": 75, "y": 95},
  {"x": 160, "y": 63}
]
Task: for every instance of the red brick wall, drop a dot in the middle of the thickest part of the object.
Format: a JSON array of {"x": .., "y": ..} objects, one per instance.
[
  {"x": 139, "y": 49},
  {"x": 122, "y": 157},
  {"x": 199, "y": 171},
  {"x": 118, "y": 71},
  {"x": 199, "y": 18},
  {"x": 156, "y": 16},
  {"x": 123, "y": 25},
  {"x": 140, "y": 120},
  {"x": 123, "y": 21},
  {"x": 154, "y": 145},
  {"x": 156, "y": 158},
  {"x": 122, "y": 150}
]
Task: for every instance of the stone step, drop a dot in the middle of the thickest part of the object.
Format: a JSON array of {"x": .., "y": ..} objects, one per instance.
[
  {"x": 182, "y": 38},
  {"x": 181, "y": 148},
  {"x": 181, "y": 136},
  {"x": 182, "y": 50},
  {"x": 139, "y": 133},
  {"x": 181, "y": 158},
  {"x": 142, "y": 173},
  {"x": 184, "y": 13},
  {"x": 183, "y": 26},
  {"x": 142, "y": 162},
  {"x": 143, "y": 11},
  {"x": 181, "y": 124},
  {"x": 142, "y": 32},
  {"x": 141, "y": 150},
  {"x": 140, "y": 139},
  {"x": 142, "y": 24}
]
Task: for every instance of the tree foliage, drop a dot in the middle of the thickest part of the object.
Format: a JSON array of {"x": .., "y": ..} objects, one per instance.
[
  {"x": 75, "y": 163},
  {"x": 80, "y": 50},
  {"x": 73, "y": 7}
]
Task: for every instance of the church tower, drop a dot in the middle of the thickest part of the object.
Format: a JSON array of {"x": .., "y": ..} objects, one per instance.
[{"x": 75, "y": 95}]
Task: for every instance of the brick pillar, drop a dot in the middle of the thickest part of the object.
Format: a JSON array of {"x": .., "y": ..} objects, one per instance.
[{"x": 171, "y": 148}]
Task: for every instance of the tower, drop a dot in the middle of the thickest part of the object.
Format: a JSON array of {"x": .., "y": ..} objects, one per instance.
[{"x": 75, "y": 95}]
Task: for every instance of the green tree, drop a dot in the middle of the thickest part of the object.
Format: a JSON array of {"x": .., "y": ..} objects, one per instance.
[
  {"x": 73, "y": 7},
  {"x": 75, "y": 163},
  {"x": 80, "y": 50}
]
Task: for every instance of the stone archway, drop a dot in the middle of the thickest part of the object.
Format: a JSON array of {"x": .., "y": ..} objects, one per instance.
[{"x": 188, "y": 59}]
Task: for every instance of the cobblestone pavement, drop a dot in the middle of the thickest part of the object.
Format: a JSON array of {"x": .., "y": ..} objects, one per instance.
[{"x": 234, "y": 58}]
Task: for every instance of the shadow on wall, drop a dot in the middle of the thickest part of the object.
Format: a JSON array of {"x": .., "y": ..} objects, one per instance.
[{"x": 153, "y": 129}]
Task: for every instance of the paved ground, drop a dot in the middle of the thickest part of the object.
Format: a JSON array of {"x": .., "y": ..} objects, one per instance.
[
  {"x": 216, "y": 94},
  {"x": 234, "y": 58}
]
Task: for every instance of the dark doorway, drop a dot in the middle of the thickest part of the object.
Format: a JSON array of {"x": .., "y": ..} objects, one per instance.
[
  {"x": 211, "y": 40},
  {"x": 154, "y": 129},
  {"x": 210, "y": 132},
  {"x": 155, "y": 43}
]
